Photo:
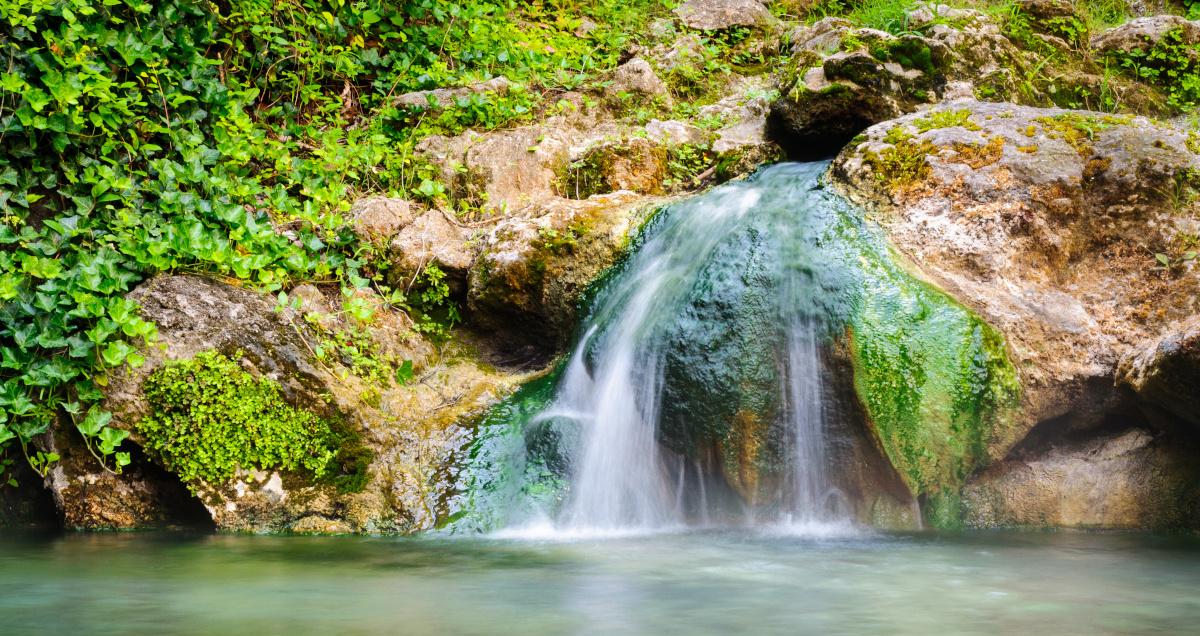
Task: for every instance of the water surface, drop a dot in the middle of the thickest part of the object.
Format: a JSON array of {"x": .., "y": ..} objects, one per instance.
[{"x": 703, "y": 582}]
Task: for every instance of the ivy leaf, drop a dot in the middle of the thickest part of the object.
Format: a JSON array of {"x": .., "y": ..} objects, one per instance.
[
  {"x": 95, "y": 421},
  {"x": 404, "y": 372},
  {"x": 116, "y": 352}
]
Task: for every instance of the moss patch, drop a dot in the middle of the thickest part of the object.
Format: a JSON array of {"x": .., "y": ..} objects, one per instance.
[
  {"x": 1079, "y": 130},
  {"x": 210, "y": 418},
  {"x": 934, "y": 378},
  {"x": 901, "y": 164}
]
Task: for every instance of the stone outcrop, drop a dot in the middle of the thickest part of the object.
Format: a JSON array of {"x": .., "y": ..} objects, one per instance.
[
  {"x": 842, "y": 79},
  {"x": 1143, "y": 33},
  {"x": 714, "y": 15},
  {"x": 1046, "y": 222},
  {"x": 637, "y": 77},
  {"x": 533, "y": 270},
  {"x": 431, "y": 239},
  {"x": 1165, "y": 372},
  {"x": 440, "y": 98},
  {"x": 375, "y": 220},
  {"x": 410, "y": 433}
]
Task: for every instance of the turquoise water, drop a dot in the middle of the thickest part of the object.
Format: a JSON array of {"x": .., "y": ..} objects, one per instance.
[{"x": 720, "y": 582}]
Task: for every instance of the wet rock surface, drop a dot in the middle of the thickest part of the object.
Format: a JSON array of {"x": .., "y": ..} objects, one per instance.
[
  {"x": 1046, "y": 222},
  {"x": 1165, "y": 372}
]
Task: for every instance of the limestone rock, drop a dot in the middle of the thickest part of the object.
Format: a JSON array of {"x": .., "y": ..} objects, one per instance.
[
  {"x": 1039, "y": 220},
  {"x": 442, "y": 97},
  {"x": 637, "y": 77},
  {"x": 412, "y": 434},
  {"x": 533, "y": 270},
  {"x": 674, "y": 132},
  {"x": 1130, "y": 479},
  {"x": 431, "y": 239},
  {"x": 1142, "y": 33},
  {"x": 633, "y": 164},
  {"x": 714, "y": 15},
  {"x": 1165, "y": 371},
  {"x": 377, "y": 219},
  {"x": 842, "y": 79}
]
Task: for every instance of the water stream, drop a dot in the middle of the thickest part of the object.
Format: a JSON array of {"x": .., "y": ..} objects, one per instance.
[{"x": 648, "y": 342}]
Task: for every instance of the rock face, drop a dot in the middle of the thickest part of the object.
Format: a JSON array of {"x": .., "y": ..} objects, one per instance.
[
  {"x": 1132, "y": 479},
  {"x": 431, "y": 239},
  {"x": 443, "y": 97},
  {"x": 637, "y": 76},
  {"x": 842, "y": 79},
  {"x": 534, "y": 269},
  {"x": 375, "y": 220},
  {"x": 409, "y": 433},
  {"x": 1046, "y": 223},
  {"x": 1165, "y": 372}
]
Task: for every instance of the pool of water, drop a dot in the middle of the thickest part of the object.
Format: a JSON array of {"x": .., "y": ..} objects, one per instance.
[{"x": 704, "y": 582}]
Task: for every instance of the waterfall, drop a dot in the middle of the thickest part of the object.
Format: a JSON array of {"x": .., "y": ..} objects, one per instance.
[{"x": 613, "y": 387}]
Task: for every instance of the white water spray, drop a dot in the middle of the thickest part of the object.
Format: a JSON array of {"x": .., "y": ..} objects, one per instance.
[{"x": 622, "y": 481}]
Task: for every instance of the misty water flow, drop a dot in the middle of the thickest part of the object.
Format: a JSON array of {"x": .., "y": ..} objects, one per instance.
[{"x": 622, "y": 479}]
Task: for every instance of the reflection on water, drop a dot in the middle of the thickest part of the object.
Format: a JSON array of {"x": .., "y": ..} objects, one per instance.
[{"x": 692, "y": 583}]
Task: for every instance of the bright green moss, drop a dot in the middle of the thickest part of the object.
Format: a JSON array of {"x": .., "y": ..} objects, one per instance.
[
  {"x": 209, "y": 418},
  {"x": 945, "y": 119},
  {"x": 934, "y": 378}
]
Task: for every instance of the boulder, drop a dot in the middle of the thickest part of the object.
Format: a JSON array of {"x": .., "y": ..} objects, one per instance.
[
  {"x": 637, "y": 77},
  {"x": 376, "y": 219},
  {"x": 715, "y": 15},
  {"x": 1165, "y": 371},
  {"x": 842, "y": 79},
  {"x": 439, "y": 98},
  {"x": 1045, "y": 223},
  {"x": 533, "y": 270},
  {"x": 431, "y": 239},
  {"x": 634, "y": 164},
  {"x": 404, "y": 438},
  {"x": 1130, "y": 479},
  {"x": 674, "y": 132}
]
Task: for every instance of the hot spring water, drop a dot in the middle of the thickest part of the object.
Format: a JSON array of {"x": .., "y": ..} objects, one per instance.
[{"x": 614, "y": 385}]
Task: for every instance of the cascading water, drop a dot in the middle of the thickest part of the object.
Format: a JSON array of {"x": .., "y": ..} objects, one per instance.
[
  {"x": 728, "y": 371},
  {"x": 613, "y": 387}
]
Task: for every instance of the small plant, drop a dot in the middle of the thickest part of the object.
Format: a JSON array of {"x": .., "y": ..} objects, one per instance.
[
  {"x": 1170, "y": 64},
  {"x": 561, "y": 242},
  {"x": 686, "y": 162},
  {"x": 901, "y": 164},
  {"x": 945, "y": 119}
]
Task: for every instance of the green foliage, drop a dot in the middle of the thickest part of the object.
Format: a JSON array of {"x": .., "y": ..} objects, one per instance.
[
  {"x": 686, "y": 162},
  {"x": 885, "y": 15},
  {"x": 210, "y": 418},
  {"x": 1170, "y": 64},
  {"x": 562, "y": 242},
  {"x": 226, "y": 138},
  {"x": 945, "y": 119},
  {"x": 902, "y": 163}
]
